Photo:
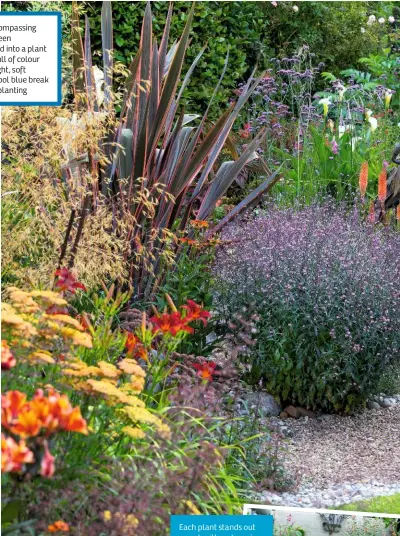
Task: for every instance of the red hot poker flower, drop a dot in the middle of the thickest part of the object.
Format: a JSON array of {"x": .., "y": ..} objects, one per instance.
[
  {"x": 67, "y": 281},
  {"x": 206, "y": 370},
  {"x": 195, "y": 312}
]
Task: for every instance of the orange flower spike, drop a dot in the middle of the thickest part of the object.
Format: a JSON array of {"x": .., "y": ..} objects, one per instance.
[
  {"x": 382, "y": 186},
  {"x": 7, "y": 358},
  {"x": 171, "y": 303},
  {"x": 371, "y": 212},
  {"x": 363, "y": 179},
  {"x": 398, "y": 213},
  {"x": 58, "y": 526}
]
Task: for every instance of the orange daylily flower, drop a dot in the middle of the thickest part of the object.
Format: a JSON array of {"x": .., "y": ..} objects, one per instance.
[
  {"x": 51, "y": 413},
  {"x": 66, "y": 281},
  {"x": 11, "y": 404},
  {"x": 7, "y": 358},
  {"x": 199, "y": 224},
  {"x": 206, "y": 370},
  {"x": 58, "y": 526},
  {"x": 14, "y": 455},
  {"x": 170, "y": 323},
  {"x": 135, "y": 348},
  {"x": 28, "y": 424},
  {"x": 195, "y": 312},
  {"x": 47, "y": 466}
]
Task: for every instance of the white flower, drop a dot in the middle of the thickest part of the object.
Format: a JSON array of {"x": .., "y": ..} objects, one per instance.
[
  {"x": 295, "y": 9},
  {"x": 371, "y": 20},
  {"x": 368, "y": 113},
  {"x": 341, "y": 91},
  {"x": 325, "y": 103},
  {"x": 381, "y": 20},
  {"x": 388, "y": 98},
  {"x": 373, "y": 123},
  {"x": 391, "y": 19},
  {"x": 363, "y": 30}
]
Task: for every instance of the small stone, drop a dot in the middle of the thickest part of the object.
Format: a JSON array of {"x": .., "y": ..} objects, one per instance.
[
  {"x": 283, "y": 415},
  {"x": 306, "y": 412},
  {"x": 264, "y": 403},
  {"x": 292, "y": 412},
  {"x": 385, "y": 403},
  {"x": 372, "y": 405}
]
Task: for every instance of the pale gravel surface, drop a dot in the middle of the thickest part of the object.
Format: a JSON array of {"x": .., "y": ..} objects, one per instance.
[
  {"x": 341, "y": 459},
  {"x": 333, "y": 449}
]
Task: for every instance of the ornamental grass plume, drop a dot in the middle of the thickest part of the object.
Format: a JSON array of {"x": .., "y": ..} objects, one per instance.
[
  {"x": 363, "y": 179},
  {"x": 382, "y": 186}
]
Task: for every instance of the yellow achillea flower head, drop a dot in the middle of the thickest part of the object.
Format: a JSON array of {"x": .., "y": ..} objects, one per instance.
[
  {"x": 108, "y": 370},
  {"x": 133, "y": 432},
  {"x": 130, "y": 366}
]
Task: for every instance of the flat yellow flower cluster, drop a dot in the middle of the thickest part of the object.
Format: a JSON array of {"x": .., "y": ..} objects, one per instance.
[{"x": 39, "y": 324}]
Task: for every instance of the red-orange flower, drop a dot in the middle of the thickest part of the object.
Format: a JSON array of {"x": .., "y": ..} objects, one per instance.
[
  {"x": 67, "y": 281},
  {"x": 199, "y": 224},
  {"x": 135, "y": 348},
  {"x": 170, "y": 323},
  {"x": 58, "y": 526},
  {"x": 188, "y": 241},
  {"x": 195, "y": 312},
  {"x": 363, "y": 179},
  {"x": 206, "y": 370},
  {"x": 47, "y": 466},
  {"x": 382, "y": 185},
  {"x": 11, "y": 404},
  {"x": 7, "y": 358},
  {"x": 398, "y": 213},
  {"x": 371, "y": 212},
  {"x": 14, "y": 455},
  {"x": 43, "y": 413}
]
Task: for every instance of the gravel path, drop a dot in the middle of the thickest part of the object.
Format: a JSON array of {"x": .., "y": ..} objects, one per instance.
[{"x": 342, "y": 459}]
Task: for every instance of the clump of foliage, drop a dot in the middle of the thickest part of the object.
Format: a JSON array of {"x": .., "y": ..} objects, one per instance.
[
  {"x": 253, "y": 32},
  {"x": 325, "y": 287}
]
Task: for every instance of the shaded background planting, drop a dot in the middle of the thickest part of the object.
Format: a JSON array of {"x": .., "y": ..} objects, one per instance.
[{"x": 325, "y": 287}]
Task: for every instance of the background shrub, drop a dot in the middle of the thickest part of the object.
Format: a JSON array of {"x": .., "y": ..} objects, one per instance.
[
  {"x": 254, "y": 32},
  {"x": 325, "y": 286}
]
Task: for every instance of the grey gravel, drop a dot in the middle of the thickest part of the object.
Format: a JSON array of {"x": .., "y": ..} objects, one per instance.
[{"x": 342, "y": 459}]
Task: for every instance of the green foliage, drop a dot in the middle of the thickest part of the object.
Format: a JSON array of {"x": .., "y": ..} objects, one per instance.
[
  {"x": 158, "y": 171},
  {"x": 252, "y": 31},
  {"x": 381, "y": 505}
]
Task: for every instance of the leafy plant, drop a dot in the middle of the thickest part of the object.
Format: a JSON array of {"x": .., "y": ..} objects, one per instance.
[
  {"x": 157, "y": 172},
  {"x": 322, "y": 284}
]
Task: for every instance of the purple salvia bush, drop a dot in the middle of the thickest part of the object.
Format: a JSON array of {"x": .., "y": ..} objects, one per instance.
[{"x": 326, "y": 286}]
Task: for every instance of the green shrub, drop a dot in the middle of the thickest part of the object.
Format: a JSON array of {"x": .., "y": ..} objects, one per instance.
[{"x": 325, "y": 288}]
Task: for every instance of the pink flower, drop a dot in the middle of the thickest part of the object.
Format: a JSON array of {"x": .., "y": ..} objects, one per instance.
[
  {"x": 274, "y": 3},
  {"x": 47, "y": 466},
  {"x": 335, "y": 147}
]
